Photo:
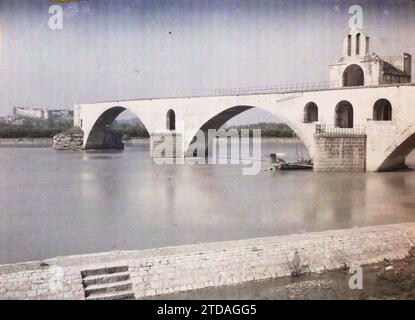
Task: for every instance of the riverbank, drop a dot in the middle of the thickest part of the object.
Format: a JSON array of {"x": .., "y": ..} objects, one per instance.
[
  {"x": 387, "y": 280},
  {"x": 26, "y": 142},
  {"x": 155, "y": 272}
]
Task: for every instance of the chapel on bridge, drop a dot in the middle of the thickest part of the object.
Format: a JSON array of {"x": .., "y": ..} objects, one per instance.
[{"x": 360, "y": 67}]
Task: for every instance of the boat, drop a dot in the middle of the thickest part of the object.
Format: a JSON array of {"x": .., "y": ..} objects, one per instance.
[
  {"x": 281, "y": 164},
  {"x": 301, "y": 164}
]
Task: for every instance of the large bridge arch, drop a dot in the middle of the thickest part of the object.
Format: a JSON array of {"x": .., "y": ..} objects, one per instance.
[
  {"x": 217, "y": 120},
  {"x": 399, "y": 151},
  {"x": 95, "y": 134}
]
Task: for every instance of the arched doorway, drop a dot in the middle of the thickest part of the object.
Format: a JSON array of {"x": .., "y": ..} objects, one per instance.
[
  {"x": 171, "y": 120},
  {"x": 344, "y": 115},
  {"x": 310, "y": 113},
  {"x": 353, "y": 76},
  {"x": 382, "y": 110}
]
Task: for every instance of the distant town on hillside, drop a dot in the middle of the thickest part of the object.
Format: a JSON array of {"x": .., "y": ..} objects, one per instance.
[{"x": 22, "y": 116}]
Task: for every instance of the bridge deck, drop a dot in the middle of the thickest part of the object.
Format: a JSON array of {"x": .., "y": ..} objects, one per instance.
[{"x": 257, "y": 91}]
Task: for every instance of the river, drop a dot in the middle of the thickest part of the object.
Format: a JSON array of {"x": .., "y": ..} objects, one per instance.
[{"x": 60, "y": 203}]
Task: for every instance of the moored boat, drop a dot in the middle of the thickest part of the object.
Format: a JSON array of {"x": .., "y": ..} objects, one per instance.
[{"x": 281, "y": 164}]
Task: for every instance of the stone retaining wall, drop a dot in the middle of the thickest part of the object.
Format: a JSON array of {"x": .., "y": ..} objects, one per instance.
[{"x": 174, "y": 269}]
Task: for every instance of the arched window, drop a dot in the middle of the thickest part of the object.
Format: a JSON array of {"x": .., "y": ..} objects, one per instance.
[
  {"x": 349, "y": 45},
  {"x": 310, "y": 113},
  {"x": 171, "y": 120},
  {"x": 382, "y": 110},
  {"x": 367, "y": 45},
  {"x": 357, "y": 44},
  {"x": 344, "y": 115},
  {"x": 353, "y": 76}
]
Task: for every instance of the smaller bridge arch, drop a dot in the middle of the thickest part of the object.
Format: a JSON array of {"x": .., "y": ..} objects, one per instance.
[
  {"x": 310, "y": 112},
  {"x": 344, "y": 115},
  {"x": 382, "y": 110}
]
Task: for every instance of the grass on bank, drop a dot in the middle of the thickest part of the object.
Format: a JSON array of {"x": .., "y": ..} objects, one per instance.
[{"x": 9, "y": 131}]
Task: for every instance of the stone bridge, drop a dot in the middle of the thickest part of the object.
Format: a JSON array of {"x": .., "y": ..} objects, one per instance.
[
  {"x": 386, "y": 114},
  {"x": 363, "y": 119}
]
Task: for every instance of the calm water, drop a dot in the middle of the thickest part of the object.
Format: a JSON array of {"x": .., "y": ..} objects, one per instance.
[{"x": 60, "y": 203}]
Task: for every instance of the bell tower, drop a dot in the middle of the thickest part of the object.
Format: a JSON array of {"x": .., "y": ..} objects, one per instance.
[
  {"x": 356, "y": 44},
  {"x": 358, "y": 66}
]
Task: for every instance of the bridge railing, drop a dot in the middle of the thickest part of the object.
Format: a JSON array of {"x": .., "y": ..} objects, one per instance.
[
  {"x": 333, "y": 129},
  {"x": 283, "y": 88},
  {"x": 300, "y": 87}
]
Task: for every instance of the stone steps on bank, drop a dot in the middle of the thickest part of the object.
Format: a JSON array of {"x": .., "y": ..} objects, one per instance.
[
  {"x": 103, "y": 271},
  {"x": 110, "y": 283},
  {"x": 114, "y": 296},
  {"x": 106, "y": 278},
  {"x": 114, "y": 287}
]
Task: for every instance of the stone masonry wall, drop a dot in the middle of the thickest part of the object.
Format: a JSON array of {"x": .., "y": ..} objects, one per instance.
[
  {"x": 63, "y": 141},
  {"x": 339, "y": 152},
  {"x": 167, "y": 270}
]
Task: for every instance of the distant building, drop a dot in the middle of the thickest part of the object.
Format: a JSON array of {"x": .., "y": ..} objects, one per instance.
[
  {"x": 41, "y": 114},
  {"x": 359, "y": 67},
  {"x": 30, "y": 113},
  {"x": 6, "y": 120},
  {"x": 60, "y": 114}
]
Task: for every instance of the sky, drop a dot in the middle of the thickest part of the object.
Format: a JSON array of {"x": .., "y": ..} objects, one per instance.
[{"x": 130, "y": 49}]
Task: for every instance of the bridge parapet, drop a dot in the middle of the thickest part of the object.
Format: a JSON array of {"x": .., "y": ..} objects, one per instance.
[
  {"x": 303, "y": 87},
  {"x": 332, "y": 129},
  {"x": 278, "y": 89}
]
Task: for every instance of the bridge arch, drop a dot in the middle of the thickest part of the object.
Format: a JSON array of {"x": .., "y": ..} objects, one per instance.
[
  {"x": 353, "y": 76},
  {"x": 398, "y": 152},
  {"x": 382, "y": 110},
  {"x": 344, "y": 115},
  {"x": 218, "y": 120},
  {"x": 98, "y": 136},
  {"x": 310, "y": 113}
]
